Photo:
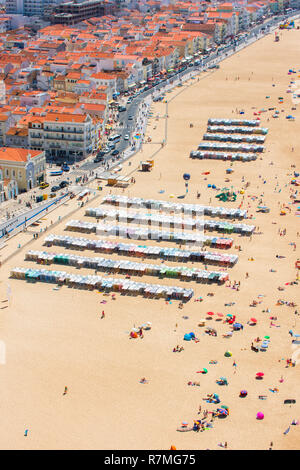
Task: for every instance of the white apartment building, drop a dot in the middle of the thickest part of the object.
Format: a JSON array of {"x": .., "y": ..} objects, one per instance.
[
  {"x": 29, "y": 7},
  {"x": 14, "y": 7},
  {"x": 64, "y": 137}
]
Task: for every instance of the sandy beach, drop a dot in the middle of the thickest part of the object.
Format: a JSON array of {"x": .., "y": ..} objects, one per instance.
[{"x": 56, "y": 338}]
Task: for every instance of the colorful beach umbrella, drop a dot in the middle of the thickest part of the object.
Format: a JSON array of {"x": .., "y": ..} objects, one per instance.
[
  {"x": 203, "y": 371},
  {"x": 253, "y": 320},
  {"x": 260, "y": 374},
  {"x": 210, "y": 313}
]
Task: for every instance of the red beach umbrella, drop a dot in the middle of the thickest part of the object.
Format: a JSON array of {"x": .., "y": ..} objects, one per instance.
[
  {"x": 253, "y": 320},
  {"x": 220, "y": 314},
  {"x": 260, "y": 374},
  {"x": 210, "y": 313}
]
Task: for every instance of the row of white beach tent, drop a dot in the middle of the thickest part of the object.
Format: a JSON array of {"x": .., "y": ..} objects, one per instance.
[
  {"x": 249, "y": 139},
  {"x": 165, "y": 206},
  {"x": 230, "y": 147},
  {"x": 127, "y": 267},
  {"x": 183, "y": 237},
  {"x": 107, "y": 284},
  {"x": 238, "y": 130},
  {"x": 234, "y": 122},
  {"x": 127, "y": 249},
  {"x": 213, "y": 155},
  {"x": 166, "y": 221}
]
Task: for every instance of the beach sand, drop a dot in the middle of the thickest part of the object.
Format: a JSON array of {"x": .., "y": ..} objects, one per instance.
[{"x": 56, "y": 338}]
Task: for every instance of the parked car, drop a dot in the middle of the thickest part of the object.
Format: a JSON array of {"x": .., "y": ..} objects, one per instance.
[
  {"x": 55, "y": 188},
  {"x": 44, "y": 185},
  {"x": 63, "y": 184},
  {"x": 115, "y": 152},
  {"x": 65, "y": 167},
  {"x": 126, "y": 137}
]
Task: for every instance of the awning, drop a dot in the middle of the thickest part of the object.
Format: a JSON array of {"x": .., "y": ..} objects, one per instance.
[{"x": 132, "y": 85}]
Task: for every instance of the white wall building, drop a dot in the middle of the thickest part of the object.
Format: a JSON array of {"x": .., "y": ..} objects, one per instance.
[{"x": 67, "y": 137}]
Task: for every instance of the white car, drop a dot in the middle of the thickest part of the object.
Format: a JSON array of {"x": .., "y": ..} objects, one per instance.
[{"x": 126, "y": 137}]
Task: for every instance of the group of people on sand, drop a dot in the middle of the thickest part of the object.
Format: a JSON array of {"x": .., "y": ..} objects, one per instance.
[
  {"x": 178, "y": 348},
  {"x": 234, "y": 285}
]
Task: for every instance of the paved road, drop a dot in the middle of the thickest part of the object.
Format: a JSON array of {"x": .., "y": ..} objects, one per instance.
[{"x": 16, "y": 224}]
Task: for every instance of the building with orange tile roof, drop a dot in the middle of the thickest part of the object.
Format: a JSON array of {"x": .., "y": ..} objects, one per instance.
[
  {"x": 17, "y": 137},
  {"x": 26, "y": 167}
]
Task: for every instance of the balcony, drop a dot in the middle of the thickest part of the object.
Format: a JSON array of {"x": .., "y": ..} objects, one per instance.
[
  {"x": 62, "y": 138},
  {"x": 64, "y": 130}
]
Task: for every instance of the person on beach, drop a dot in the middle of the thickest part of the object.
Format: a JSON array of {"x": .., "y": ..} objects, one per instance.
[
  {"x": 65, "y": 391},
  {"x": 102, "y": 315}
]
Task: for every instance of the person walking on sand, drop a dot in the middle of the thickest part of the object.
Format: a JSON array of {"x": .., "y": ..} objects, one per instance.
[
  {"x": 65, "y": 391},
  {"x": 102, "y": 315}
]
